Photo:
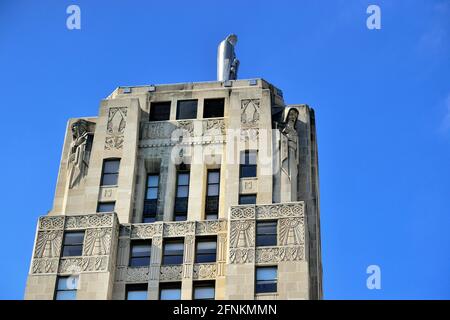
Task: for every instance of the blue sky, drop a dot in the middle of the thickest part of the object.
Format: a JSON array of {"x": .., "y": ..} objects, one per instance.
[{"x": 382, "y": 101}]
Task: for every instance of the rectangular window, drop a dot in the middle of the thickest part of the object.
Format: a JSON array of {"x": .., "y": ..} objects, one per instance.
[
  {"x": 106, "y": 206},
  {"x": 151, "y": 198},
  {"x": 206, "y": 250},
  {"x": 136, "y": 291},
  {"x": 204, "y": 290},
  {"x": 66, "y": 288},
  {"x": 182, "y": 195},
  {"x": 213, "y": 108},
  {"x": 187, "y": 109},
  {"x": 247, "y": 199},
  {"x": 140, "y": 252},
  {"x": 170, "y": 291},
  {"x": 248, "y": 164},
  {"x": 110, "y": 172},
  {"x": 266, "y": 233},
  {"x": 173, "y": 252},
  {"x": 160, "y": 111},
  {"x": 266, "y": 280},
  {"x": 212, "y": 195},
  {"x": 73, "y": 244}
]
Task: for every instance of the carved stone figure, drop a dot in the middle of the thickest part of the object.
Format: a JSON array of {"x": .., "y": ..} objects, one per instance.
[
  {"x": 80, "y": 151},
  {"x": 227, "y": 63}
]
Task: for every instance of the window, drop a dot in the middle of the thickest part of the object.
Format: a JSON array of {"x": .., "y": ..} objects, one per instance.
[
  {"x": 266, "y": 233},
  {"x": 110, "y": 172},
  {"x": 66, "y": 288},
  {"x": 266, "y": 279},
  {"x": 206, "y": 250},
  {"x": 106, "y": 206},
  {"x": 182, "y": 195},
  {"x": 160, "y": 111},
  {"x": 73, "y": 244},
  {"x": 140, "y": 252},
  {"x": 187, "y": 109},
  {"x": 151, "y": 199},
  {"x": 170, "y": 291},
  {"x": 212, "y": 195},
  {"x": 248, "y": 164},
  {"x": 213, "y": 108},
  {"x": 247, "y": 199},
  {"x": 136, "y": 291},
  {"x": 204, "y": 290},
  {"x": 173, "y": 252}
]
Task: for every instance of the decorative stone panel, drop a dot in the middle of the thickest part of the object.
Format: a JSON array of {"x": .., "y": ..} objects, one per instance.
[
  {"x": 129, "y": 275},
  {"x": 210, "y": 227},
  {"x": 83, "y": 264},
  {"x": 277, "y": 254},
  {"x": 44, "y": 265},
  {"x": 243, "y": 212},
  {"x": 146, "y": 231},
  {"x": 246, "y": 255},
  {"x": 250, "y": 113},
  {"x": 291, "y": 231},
  {"x": 178, "y": 229},
  {"x": 115, "y": 128},
  {"x": 170, "y": 273},
  {"x": 205, "y": 271},
  {"x": 97, "y": 242},
  {"x": 272, "y": 211},
  {"x": 51, "y": 223},
  {"x": 242, "y": 233},
  {"x": 48, "y": 244}
]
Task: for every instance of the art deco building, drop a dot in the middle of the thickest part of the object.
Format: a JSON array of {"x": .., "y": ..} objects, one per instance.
[{"x": 202, "y": 190}]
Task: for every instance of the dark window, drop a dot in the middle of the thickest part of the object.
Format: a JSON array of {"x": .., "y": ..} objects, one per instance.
[
  {"x": 140, "y": 252},
  {"x": 266, "y": 233},
  {"x": 66, "y": 288},
  {"x": 160, "y": 111},
  {"x": 187, "y": 109},
  {"x": 212, "y": 195},
  {"x": 136, "y": 291},
  {"x": 173, "y": 252},
  {"x": 248, "y": 164},
  {"x": 170, "y": 291},
  {"x": 182, "y": 196},
  {"x": 204, "y": 290},
  {"x": 213, "y": 108},
  {"x": 151, "y": 198},
  {"x": 266, "y": 279},
  {"x": 206, "y": 250},
  {"x": 247, "y": 199},
  {"x": 73, "y": 244},
  {"x": 106, "y": 206},
  {"x": 110, "y": 172}
]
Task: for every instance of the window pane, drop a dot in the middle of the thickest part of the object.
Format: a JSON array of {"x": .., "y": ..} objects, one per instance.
[
  {"x": 152, "y": 193},
  {"x": 67, "y": 283},
  {"x": 140, "y": 262},
  {"x": 266, "y": 240},
  {"x": 137, "y": 295},
  {"x": 183, "y": 179},
  {"x": 248, "y": 171},
  {"x": 182, "y": 192},
  {"x": 213, "y": 108},
  {"x": 106, "y": 207},
  {"x": 73, "y": 238},
  {"x": 247, "y": 199},
  {"x": 204, "y": 293},
  {"x": 71, "y": 251},
  {"x": 213, "y": 177},
  {"x": 152, "y": 180},
  {"x": 211, "y": 216},
  {"x": 213, "y": 190},
  {"x": 66, "y": 295},
  {"x": 175, "y": 247},
  {"x": 160, "y": 111},
  {"x": 140, "y": 250},
  {"x": 111, "y": 166},
  {"x": 170, "y": 294},
  {"x": 207, "y": 245},
  {"x": 251, "y": 158},
  {"x": 266, "y": 273},
  {"x": 265, "y": 287},
  {"x": 187, "y": 109},
  {"x": 109, "y": 179}
]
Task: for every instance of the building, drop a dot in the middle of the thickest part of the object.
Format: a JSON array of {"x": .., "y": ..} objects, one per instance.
[{"x": 202, "y": 190}]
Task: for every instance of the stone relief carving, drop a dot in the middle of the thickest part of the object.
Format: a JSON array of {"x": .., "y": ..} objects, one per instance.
[
  {"x": 178, "y": 229},
  {"x": 239, "y": 256},
  {"x": 289, "y": 146},
  {"x": 80, "y": 151},
  {"x": 170, "y": 273},
  {"x": 214, "y": 127},
  {"x": 206, "y": 227},
  {"x": 117, "y": 120},
  {"x": 127, "y": 274},
  {"x": 50, "y": 223},
  {"x": 48, "y": 244},
  {"x": 45, "y": 265},
  {"x": 243, "y": 212},
  {"x": 82, "y": 264},
  {"x": 250, "y": 113},
  {"x": 97, "y": 242},
  {"x": 251, "y": 134},
  {"x": 89, "y": 221},
  {"x": 146, "y": 231},
  {"x": 242, "y": 233},
  {"x": 292, "y": 231},
  {"x": 277, "y": 254},
  {"x": 280, "y": 210},
  {"x": 205, "y": 271}
]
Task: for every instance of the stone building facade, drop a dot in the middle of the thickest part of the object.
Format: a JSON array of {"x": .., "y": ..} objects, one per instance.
[{"x": 193, "y": 190}]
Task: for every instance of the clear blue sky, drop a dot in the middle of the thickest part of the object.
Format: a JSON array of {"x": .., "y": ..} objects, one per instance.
[{"x": 382, "y": 101}]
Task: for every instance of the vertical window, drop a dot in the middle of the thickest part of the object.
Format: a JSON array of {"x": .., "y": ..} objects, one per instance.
[
  {"x": 182, "y": 195},
  {"x": 213, "y": 108},
  {"x": 136, "y": 291},
  {"x": 110, "y": 172},
  {"x": 212, "y": 195},
  {"x": 140, "y": 252},
  {"x": 66, "y": 288},
  {"x": 248, "y": 164},
  {"x": 266, "y": 233},
  {"x": 170, "y": 291},
  {"x": 151, "y": 199},
  {"x": 106, "y": 206},
  {"x": 204, "y": 290},
  {"x": 266, "y": 280},
  {"x": 205, "y": 250},
  {"x": 173, "y": 252},
  {"x": 247, "y": 199},
  {"x": 187, "y": 109},
  {"x": 73, "y": 244},
  {"x": 160, "y": 111}
]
